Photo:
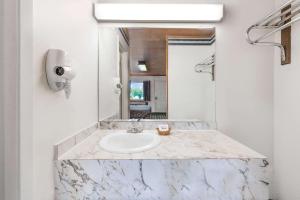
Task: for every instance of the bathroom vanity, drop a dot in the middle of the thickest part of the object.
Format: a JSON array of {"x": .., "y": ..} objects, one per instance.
[
  {"x": 162, "y": 76},
  {"x": 186, "y": 165}
]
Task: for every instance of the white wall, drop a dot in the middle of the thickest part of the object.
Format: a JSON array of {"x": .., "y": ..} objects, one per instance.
[
  {"x": 244, "y": 78},
  {"x": 109, "y": 101},
  {"x": 191, "y": 95},
  {"x": 66, "y": 25},
  {"x": 26, "y": 68},
  {"x": 287, "y": 120},
  {"x": 10, "y": 97},
  {"x": 2, "y": 168}
]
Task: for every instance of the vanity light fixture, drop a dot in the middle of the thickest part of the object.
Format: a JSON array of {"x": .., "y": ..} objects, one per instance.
[
  {"x": 142, "y": 66},
  {"x": 139, "y": 12}
]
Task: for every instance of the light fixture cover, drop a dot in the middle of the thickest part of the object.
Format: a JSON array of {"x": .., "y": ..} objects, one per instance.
[
  {"x": 142, "y": 66},
  {"x": 134, "y": 12}
]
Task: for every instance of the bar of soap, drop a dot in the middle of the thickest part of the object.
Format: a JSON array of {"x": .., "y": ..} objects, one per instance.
[{"x": 163, "y": 127}]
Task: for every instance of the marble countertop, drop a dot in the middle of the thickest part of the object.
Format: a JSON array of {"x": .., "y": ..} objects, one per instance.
[{"x": 181, "y": 144}]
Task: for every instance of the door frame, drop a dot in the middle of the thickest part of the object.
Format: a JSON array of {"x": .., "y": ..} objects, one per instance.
[
  {"x": 123, "y": 49},
  {"x": 16, "y": 92}
]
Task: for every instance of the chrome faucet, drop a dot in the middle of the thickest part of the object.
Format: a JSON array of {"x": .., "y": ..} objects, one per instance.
[{"x": 135, "y": 127}]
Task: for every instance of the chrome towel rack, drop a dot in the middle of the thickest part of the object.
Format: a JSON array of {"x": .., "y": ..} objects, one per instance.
[
  {"x": 278, "y": 20},
  {"x": 207, "y": 66}
]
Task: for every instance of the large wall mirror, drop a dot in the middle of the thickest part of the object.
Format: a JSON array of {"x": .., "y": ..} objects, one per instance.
[{"x": 157, "y": 73}]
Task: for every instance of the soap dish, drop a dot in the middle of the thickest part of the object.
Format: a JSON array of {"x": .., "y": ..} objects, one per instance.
[{"x": 168, "y": 132}]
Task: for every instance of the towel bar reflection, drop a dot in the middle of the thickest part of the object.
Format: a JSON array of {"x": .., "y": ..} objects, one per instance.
[{"x": 207, "y": 66}]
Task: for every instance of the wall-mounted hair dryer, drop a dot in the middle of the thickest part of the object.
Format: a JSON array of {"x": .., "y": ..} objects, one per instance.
[{"x": 59, "y": 73}]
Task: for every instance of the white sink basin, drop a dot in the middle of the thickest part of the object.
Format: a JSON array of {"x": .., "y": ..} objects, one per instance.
[{"x": 122, "y": 142}]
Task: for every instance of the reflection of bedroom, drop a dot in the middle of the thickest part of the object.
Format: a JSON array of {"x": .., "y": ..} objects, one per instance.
[
  {"x": 147, "y": 82},
  {"x": 148, "y": 97},
  {"x": 144, "y": 69}
]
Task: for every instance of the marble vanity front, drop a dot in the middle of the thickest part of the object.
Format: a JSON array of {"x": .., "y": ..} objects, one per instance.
[{"x": 187, "y": 165}]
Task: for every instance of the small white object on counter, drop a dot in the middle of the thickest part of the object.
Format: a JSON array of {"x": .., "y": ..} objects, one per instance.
[{"x": 163, "y": 127}]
